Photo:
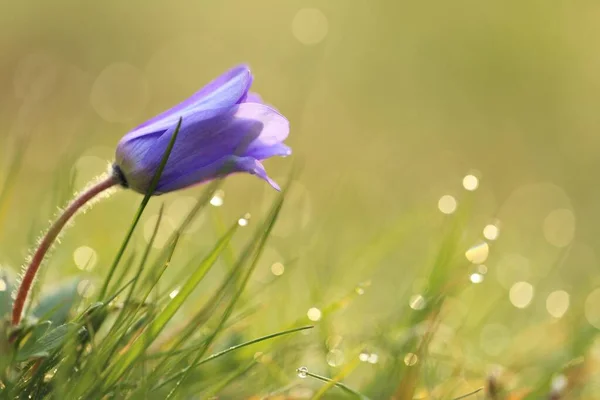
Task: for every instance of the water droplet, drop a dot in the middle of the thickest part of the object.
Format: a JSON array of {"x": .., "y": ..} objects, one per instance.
[
  {"x": 470, "y": 182},
  {"x": 476, "y": 278},
  {"x": 482, "y": 269},
  {"x": 411, "y": 359},
  {"x": 2, "y": 285},
  {"x": 314, "y": 314},
  {"x": 373, "y": 358},
  {"x": 277, "y": 269},
  {"x": 491, "y": 232},
  {"x": 242, "y": 222},
  {"x": 335, "y": 358},
  {"x": 302, "y": 372},
  {"x": 85, "y": 258},
  {"x": 417, "y": 302},
  {"x": 217, "y": 199},
  {"x": 174, "y": 293},
  {"x": 363, "y": 356},
  {"x": 559, "y": 383},
  {"x": 447, "y": 204}
]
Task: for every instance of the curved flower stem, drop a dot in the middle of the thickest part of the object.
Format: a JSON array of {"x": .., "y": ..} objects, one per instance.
[{"x": 50, "y": 237}]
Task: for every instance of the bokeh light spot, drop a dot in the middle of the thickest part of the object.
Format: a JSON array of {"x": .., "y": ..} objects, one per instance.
[
  {"x": 86, "y": 288},
  {"x": 417, "y": 302},
  {"x": 335, "y": 358},
  {"x": 85, "y": 258},
  {"x": 120, "y": 93},
  {"x": 218, "y": 198},
  {"x": 310, "y": 26},
  {"x": 592, "y": 308},
  {"x": 521, "y": 294},
  {"x": 557, "y": 303},
  {"x": 277, "y": 269},
  {"x": 447, "y": 204},
  {"x": 165, "y": 230},
  {"x": 314, "y": 314},
  {"x": 411, "y": 359},
  {"x": 478, "y": 253},
  {"x": 491, "y": 232},
  {"x": 559, "y": 227},
  {"x": 470, "y": 182}
]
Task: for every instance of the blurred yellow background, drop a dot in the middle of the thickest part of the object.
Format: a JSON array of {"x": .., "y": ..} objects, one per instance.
[{"x": 391, "y": 105}]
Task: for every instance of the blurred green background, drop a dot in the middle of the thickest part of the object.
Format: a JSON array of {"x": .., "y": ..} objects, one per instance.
[{"x": 391, "y": 105}]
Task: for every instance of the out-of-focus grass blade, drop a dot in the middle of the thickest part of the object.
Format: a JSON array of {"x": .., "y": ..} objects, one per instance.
[
  {"x": 229, "y": 350},
  {"x": 138, "y": 215},
  {"x": 212, "y": 392},
  {"x": 157, "y": 325},
  {"x": 252, "y": 251},
  {"x": 141, "y": 265},
  {"x": 464, "y": 396}
]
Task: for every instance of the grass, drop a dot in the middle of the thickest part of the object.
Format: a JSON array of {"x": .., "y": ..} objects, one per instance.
[{"x": 128, "y": 342}]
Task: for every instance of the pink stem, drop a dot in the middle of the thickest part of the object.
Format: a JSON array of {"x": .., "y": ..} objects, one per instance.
[{"x": 50, "y": 237}]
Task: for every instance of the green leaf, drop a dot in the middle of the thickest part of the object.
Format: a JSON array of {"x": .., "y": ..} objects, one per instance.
[{"x": 51, "y": 340}]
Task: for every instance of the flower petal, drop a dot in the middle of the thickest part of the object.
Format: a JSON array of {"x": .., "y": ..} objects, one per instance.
[
  {"x": 225, "y": 91},
  {"x": 252, "y": 97},
  {"x": 261, "y": 153},
  {"x": 243, "y": 130},
  {"x": 221, "y": 167}
]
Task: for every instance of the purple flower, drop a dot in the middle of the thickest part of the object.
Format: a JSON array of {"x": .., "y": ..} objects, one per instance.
[{"x": 224, "y": 129}]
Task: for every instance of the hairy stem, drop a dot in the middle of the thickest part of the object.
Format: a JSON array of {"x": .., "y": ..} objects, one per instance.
[{"x": 50, "y": 237}]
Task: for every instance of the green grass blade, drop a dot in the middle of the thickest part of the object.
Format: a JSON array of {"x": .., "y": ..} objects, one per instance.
[
  {"x": 157, "y": 325},
  {"x": 229, "y": 350},
  {"x": 138, "y": 215},
  {"x": 254, "y": 248},
  {"x": 336, "y": 384}
]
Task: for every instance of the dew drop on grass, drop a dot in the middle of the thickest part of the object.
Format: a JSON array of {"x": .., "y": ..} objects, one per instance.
[
  {"x": 302, "y": 372},
  {"x": 373, "y": 358},
  {"x": 417, "y": 302},
  {"x": 476, "y": 278},
  {"x": 314, "y": 314},
  {"x": 217, "y": 199},
  {"x": 411, "y": 359},
  {"x": 363, "y": 356}
]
